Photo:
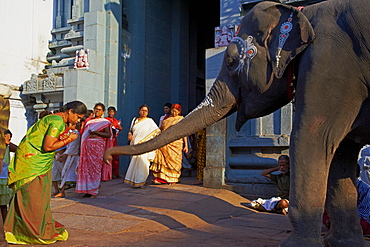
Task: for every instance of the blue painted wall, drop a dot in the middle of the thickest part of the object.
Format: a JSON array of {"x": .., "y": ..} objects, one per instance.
[{"x": 157, "y": 70}]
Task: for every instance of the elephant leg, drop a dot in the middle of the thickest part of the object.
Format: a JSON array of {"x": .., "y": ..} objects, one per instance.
[
  {"x": 341, "y": 200},
  {"x": 309, "y": 173}
]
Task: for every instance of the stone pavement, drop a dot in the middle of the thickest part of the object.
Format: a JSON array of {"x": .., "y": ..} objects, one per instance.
[{"x": 166, "y": 215}]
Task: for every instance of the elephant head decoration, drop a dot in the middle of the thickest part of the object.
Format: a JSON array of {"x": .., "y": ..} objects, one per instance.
[{"x": 326, "y": 47}]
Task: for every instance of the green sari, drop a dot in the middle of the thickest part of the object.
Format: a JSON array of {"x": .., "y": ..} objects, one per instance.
[{"x": 29, "y": 220}]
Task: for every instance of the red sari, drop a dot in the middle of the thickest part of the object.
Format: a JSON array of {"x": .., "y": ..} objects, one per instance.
[
  {"x": 115, "y": 161},
  {"x": 92, "y": 169}
]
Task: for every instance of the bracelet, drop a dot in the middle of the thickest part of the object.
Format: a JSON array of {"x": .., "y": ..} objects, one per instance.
[{"x": 64, "y": 142}]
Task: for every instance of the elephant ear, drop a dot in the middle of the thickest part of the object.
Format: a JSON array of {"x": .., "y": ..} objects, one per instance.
[{"x": 292, "y": 34}]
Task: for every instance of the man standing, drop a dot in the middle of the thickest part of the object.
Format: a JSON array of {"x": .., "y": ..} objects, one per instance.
[
  {"x": 116, "y": 128},
  {"x": 5, "y": 93},
  {"x": 167, "y": 113}
]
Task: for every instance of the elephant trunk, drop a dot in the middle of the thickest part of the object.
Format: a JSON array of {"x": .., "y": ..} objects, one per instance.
[{"x": 219, "y": 103}]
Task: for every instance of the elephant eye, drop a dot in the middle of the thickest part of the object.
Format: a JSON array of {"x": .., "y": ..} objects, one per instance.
[
  {"x": 232, "y": 55},
  {"x": 259, "y": 33},
  {"x": 229, "y": 61}
]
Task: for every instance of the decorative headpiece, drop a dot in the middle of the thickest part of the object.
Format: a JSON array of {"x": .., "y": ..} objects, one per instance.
[
  {"x": 247, "y": 51},
  {"x": 285, "y": 28}
]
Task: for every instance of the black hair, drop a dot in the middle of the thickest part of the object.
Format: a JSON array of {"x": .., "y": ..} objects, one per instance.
[
  {"x": 44, "y": 113},
  {"x": 169, "y": 105},
  {"x": 284, "y": 157},
  {"x": 77, "y": 107},
  {"x": 100, "y": 104},
  {"x": 8, "y": 132},
  {"x": 112, "y": 108},
  {"x": 79, "y": 125},
  {"x": 144, "y": 105},
  {"x": 87, "y": 115}
]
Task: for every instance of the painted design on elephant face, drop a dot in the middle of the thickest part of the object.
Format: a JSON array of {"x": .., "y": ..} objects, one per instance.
[
  {"x": 208, "y": 101},
  {"x": 285, "y": 28},
  {"x": 247, "y": 51}
]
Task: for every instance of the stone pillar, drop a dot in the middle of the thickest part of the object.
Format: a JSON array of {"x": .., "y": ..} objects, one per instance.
[{"x": 214, "y": 172}]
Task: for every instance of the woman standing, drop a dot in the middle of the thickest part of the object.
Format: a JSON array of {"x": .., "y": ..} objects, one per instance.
[
  {"x": 96, "y": 138},
  {"x": 29, "y": 220},
  {"x": 167, "y": 163},
  {"x": 142, "y": 129},
  {"x": 116, "y": 129}
]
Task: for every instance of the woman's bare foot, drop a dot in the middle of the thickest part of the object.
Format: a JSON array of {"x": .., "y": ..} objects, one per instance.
[
  {"x": 138, "y": 187},
  {"x": 59, "y": 195},
  {"x": 156, "y": 182},
  {"x": 93, "y": 196},
  {"x": 86, "y": 196}
]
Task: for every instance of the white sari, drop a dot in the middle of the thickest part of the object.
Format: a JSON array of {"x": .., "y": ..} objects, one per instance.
[
  {"x": 69, "y": 172},
  {"x": 138, "y": 170}
]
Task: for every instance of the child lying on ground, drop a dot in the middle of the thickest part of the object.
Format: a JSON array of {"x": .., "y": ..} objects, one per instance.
[{"x": 275, "y": 204}]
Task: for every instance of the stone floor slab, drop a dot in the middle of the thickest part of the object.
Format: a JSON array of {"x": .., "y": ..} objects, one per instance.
[{"x": 180, "y": 215}]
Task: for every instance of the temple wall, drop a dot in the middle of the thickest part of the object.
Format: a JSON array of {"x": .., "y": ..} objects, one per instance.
[{"x": 25, "y": 28}]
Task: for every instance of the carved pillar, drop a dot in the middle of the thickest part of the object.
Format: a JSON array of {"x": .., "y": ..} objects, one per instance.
[
  {"x": 59, "y": 17},
  {"x": 77, "y": 9},
  {"x": 46, "y": 90},
  {"x": 214, "y": 172}
]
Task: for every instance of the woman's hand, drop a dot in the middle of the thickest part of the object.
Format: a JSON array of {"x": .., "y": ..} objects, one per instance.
[
  {"x": 73, "y": 136},
  {"x": 105, "y": 133},
  {"x": 52, "y": 143},
  {"x": 62, "y": 158},
  {"x": 185, "y": 141},
  {"x": 129, "y": 136}
]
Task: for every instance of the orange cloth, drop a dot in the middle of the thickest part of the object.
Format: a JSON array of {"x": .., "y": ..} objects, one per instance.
[{"x": 167, "y": 163}]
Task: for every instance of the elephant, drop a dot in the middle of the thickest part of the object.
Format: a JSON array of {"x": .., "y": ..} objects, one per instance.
[{"x": 319, "y": 55}]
